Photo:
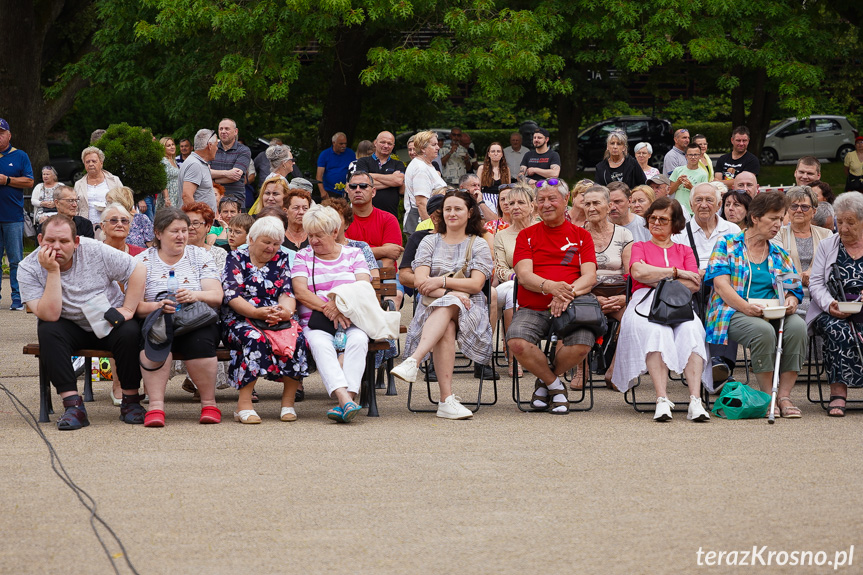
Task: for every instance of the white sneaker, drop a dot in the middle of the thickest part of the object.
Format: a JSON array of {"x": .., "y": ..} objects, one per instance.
[
  {"x": 696, "y": 410},
  {"x": 406, "y": 370},
  {"x": 663, "y": 409},
  {"x": 451, "y": 408}
]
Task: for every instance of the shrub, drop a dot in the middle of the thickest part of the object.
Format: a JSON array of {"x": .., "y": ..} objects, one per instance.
[
  {"x": 135, "y": 157},
  {"x": 718, "y": 134}
]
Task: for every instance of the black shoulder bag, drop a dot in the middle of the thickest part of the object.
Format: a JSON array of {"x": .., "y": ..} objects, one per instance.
[
  {"x": 672, "y": 304},
  {"x": 318, "y": 320},
  {"x": 583, "y": 312}
]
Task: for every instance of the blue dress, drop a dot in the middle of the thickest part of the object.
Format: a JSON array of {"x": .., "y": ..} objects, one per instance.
[{"x": 251, "y": 353}]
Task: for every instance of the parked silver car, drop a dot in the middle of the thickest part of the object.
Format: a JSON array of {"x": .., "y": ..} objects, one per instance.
[{"x": 821, "y": 136}]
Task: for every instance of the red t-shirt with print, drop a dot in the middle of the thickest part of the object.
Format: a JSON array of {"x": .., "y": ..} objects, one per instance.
[{"x": 557, "y": 255}]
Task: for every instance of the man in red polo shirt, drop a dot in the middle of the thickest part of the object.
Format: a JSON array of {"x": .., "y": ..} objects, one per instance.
[
  {"x": 374, "y": 226},
  {"x": 555, "y": 261}
]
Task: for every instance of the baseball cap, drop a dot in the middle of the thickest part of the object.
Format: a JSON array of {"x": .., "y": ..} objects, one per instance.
[
  {"x": 659, "y": 179},
  {"x": 857, "y": 139},
  {"x": 158, "y": 336},
  {"x": 4, "y": 125},
  {"x": 542, "y": 131},
  {"x": 434, "y": 203}
]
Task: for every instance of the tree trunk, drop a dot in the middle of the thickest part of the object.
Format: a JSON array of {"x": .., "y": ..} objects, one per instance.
[
  {"x": 25, "y": 26},
  {"x": 760, "y": 113},
  {"x": 569, "y": 117},
  {"x": 344, "y": 97},
  {"x": 738, "y": 108}
]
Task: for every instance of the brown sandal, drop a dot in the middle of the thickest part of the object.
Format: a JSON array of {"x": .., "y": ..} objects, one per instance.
[
  {"x": 790, "y": 411},
  {"x": 541, "y": 398},
  {"x": 553, "y": 404}
]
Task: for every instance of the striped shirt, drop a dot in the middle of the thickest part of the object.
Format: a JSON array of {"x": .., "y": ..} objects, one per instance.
[
  {"x": 327, "y": 273},
  {"x": 196, "y": 264}
]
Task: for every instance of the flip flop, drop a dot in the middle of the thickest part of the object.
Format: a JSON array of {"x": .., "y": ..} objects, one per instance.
[{"x": 349, "y": 411}]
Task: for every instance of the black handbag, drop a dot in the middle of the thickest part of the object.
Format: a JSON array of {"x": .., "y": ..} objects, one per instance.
[
  {"x": 583, "y": 312},
  {"x": 191, "y": 316},
  {"x": 672, "y": 304},
  {"x": 319, "y": 321}
]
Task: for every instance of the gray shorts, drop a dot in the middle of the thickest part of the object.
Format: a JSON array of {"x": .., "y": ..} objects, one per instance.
[{"x": 533, "y": 326}]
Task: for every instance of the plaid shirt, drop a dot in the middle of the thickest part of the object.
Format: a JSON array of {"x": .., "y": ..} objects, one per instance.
[{"x": 729, "y": 258}]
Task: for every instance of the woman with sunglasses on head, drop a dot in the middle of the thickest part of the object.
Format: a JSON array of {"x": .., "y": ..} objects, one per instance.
[
  {"x": 735, "y": 206},
  {"x": 140, "y": 231},
  {"x": 618, "y": 165},
  {"x": 645, "y": 346},
  {"x": 799, "y": 237}
]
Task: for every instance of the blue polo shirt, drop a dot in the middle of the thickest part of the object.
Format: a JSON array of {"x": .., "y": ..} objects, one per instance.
[
  {"x": 335, "y": 168},
  {"x": 15, "y": 164}
]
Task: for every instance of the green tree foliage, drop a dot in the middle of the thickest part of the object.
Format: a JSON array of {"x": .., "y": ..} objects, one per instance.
[{"x": 135, "y": 157}]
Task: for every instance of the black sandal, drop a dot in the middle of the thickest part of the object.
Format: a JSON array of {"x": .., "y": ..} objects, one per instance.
[{"x": 841, "y": 408}]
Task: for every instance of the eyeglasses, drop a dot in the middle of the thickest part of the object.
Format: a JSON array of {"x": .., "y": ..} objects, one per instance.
[
  {"x": 69, "y": 201},
  {"x": 503, "y": 187},
  {"x": 652, "y": 220},
  {"x": 115, "y": 221},
  {"x": 362, "y": 186},
  {"x": 693, "y": 155},
  {"x": 196, "y": 225},
  {"x": 802, "y": 207},
  {"x": 550, "y": 182},
  {"x": 585, "y": 182}
]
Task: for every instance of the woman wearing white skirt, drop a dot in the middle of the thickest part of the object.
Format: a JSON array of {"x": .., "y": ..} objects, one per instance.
[{"x": 644, "y": 346}]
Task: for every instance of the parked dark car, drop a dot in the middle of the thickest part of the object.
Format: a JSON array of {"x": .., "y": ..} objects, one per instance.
[
  {"x": 655, "y": 131},
  {"x": 60, "y": 156}
]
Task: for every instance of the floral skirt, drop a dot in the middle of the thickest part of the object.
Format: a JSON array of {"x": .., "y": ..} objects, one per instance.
[
  {"x": 840, "y": 353},
  {"x": 252, "y": 356}
]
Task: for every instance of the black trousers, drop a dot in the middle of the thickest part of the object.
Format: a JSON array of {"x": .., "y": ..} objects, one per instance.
[{"x": 58, "y": 339}]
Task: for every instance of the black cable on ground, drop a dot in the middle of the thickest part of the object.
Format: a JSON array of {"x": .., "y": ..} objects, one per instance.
[{"x": 86, "y": 500}]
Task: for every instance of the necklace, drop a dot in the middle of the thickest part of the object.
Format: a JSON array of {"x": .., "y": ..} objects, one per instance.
[{"x": 761, "y": 256}]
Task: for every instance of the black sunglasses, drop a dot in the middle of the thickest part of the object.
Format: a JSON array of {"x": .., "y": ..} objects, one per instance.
[{"x": 355, "y": 186}]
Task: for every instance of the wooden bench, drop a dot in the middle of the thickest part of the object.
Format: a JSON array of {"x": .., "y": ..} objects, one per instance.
[
  {"x": 45, "y": 405},
  {"x": 367, "y": 391}
]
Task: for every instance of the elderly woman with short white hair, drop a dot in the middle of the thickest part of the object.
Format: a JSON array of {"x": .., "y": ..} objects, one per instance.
[
  {"x": 643, "y": 151},
  {"x": 840, "y": 258},
  {"x": 319, "y": 268},
  {"x": 92, "y": 188},
  {"x": 258, "y": 294}
]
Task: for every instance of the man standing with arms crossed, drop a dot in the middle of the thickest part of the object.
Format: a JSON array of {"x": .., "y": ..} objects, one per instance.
[
  {"x": 16, "y": 173},
  {"x": 541, "y": 163},
  {"x": 231, "y": 164},
  {"x": 389, "y": 174}
]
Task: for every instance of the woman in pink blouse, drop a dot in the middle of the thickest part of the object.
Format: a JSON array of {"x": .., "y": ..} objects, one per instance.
[{"x": 651, "y": 347}]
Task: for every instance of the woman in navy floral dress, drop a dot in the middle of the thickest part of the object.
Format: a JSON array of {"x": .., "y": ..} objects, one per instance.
[{"x": 258, "y": 286}]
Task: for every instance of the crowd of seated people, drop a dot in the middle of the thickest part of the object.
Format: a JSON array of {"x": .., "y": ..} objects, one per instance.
[{"x": 163, "y": 294}]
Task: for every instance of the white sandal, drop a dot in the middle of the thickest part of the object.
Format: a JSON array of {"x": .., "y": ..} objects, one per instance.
[
  {"x": 247, "y": 416},
  {"x": 288, "y": 414}
]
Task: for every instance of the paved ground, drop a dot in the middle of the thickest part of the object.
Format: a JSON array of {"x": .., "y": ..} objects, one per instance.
[{"x": 607, "y": 491}]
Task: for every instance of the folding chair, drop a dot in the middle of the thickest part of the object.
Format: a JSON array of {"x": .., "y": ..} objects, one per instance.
[
  {"x": 368, "y": 398},
  {"x": 478, "y": 402},
  {"x": 549, "y": 350}
]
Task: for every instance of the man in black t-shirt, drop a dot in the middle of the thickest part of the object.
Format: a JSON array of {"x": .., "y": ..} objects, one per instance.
[
  {"x": 389, "y": 174},
  {"x": 540, "y": 163},
  {"x": 739, "y": 160}
]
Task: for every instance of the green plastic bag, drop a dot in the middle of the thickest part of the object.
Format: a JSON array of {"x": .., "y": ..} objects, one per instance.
[{"x": 739, "y": 401}]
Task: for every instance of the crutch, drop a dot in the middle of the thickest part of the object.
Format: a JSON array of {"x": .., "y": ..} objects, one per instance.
[{"x": 780, "y": 290}]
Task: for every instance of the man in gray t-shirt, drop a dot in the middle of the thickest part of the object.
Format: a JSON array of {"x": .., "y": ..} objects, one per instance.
[
  {"x": 619, "y": 213},
  {"x": 196, "y": 183},
  {"x": 58, "y": 282}
]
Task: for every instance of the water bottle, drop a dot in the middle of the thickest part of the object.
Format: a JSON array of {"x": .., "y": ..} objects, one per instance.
[
  {"x": 173, "y": 286},
  {"x": 340, "y": 340}
]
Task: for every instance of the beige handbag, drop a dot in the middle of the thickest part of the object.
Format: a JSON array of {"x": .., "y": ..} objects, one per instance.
[{"x": 427, "y": 299}]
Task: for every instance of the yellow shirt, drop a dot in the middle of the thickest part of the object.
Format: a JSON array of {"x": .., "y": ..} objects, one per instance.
[{"x": 425, "y": 225}]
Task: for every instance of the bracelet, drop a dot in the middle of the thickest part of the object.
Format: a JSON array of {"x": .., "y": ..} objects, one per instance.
[
  {"x": 444, "y": 282},
  {"x": 512, "y": 276},
  {"x": 541, "y": 288},
  {"x": 674, "y": 273}
]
